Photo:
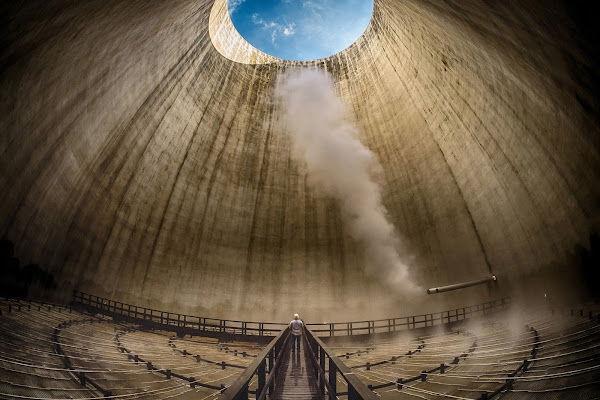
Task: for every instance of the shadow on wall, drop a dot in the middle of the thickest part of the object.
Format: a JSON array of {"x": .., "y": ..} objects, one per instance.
[
  {"x": 574, "y": 280},
  {"x": 19, "y": 282},
  {"x": 589, "y": 264},
  {"x": 582, "y": 277}
]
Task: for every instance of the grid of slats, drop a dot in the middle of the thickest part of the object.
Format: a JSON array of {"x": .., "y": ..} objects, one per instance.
[
  {"x": 481, "y": 355},
  {"x": 51, "y": 351},
  {"x": 29, "y": 366},
  {"x": 101, "y": 358}
]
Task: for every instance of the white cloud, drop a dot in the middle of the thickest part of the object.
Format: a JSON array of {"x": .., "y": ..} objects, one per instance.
[
  {"x": 289, "y": 30},
  {"x": 312, "y": 4},
  {"x": 275, "y": 28},
  {"x": 233, "y": 5}
]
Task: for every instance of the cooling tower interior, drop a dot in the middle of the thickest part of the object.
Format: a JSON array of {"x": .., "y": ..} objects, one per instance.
[{"x": 145, "y": 156}]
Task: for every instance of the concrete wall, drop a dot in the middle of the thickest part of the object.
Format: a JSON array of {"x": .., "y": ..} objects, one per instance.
[{"x": 141, "y": 163}]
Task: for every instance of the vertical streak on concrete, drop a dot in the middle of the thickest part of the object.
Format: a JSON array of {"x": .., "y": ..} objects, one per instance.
[{"x": 142, "y": 162}]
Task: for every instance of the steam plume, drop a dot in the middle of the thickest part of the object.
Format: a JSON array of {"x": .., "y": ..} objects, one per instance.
[{"x": 340, "y": 166}]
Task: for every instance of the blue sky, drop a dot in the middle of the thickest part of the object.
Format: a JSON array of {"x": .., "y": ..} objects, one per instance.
[{"x": 300, "y": 29}]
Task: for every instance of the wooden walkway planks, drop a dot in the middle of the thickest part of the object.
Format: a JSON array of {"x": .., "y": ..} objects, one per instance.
[{"x": 296, "y": 380}]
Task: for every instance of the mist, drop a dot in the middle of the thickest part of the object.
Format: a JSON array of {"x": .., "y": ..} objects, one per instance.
[{"x": 326, "y": 144}]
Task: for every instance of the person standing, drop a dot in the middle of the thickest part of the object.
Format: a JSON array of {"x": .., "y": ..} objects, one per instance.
[{"x": 296, "y": 326}]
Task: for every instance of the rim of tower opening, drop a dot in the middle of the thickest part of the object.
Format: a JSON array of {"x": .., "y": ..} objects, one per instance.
[{"x": 230, "y": 44}]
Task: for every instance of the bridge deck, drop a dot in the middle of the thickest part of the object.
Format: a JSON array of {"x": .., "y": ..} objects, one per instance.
[{"x": 296, "y": 379}]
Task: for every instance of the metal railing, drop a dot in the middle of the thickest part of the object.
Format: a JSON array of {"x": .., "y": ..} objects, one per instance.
[
  {"x": 326, "y": 375},
  {"x": 265, "y": 367},
  {"x": 408, "y": 323},
  {"x": 188, "y": 324},
  {"x": 194, "y": 325}
]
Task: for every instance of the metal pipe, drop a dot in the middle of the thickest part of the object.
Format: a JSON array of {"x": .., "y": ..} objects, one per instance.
[{"x": 461, "y": 285}]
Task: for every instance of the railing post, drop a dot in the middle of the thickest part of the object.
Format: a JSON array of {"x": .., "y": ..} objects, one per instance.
[
  {"x": 261, "y": 378},
  {"x": 352, "y": 395},
  {"x": 315, "y": 348},
  {"x": 244, "y": 394},
  {"x": 322, "y": 363},
  {"x": 271, "y": 359},
  {"x": 332, "y": 377}
]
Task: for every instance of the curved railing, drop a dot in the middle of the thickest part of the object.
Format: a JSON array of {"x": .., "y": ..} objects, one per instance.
[
  {"x": 408, "y": 323},
  {"x": 194, "y": 325},
  {"x": 188, "y": 324}
]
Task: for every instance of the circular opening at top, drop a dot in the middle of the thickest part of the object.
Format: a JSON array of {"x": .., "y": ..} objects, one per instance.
[{"x": 300, "y": 30}]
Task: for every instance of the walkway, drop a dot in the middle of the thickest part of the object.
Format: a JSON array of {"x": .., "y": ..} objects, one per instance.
[{"x": 296, "y": 379}]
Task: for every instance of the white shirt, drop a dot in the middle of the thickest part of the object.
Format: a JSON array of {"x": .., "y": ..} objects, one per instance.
[{"x": 296, "y": 327}]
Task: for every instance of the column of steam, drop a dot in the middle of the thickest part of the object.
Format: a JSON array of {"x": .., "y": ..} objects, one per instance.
[{"x": 340, "y": 166}]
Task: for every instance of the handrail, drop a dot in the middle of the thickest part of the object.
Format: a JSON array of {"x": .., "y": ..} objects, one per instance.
[
  {"x": 173, "y": 321},
  {"x": 318, "y": 352},
  {"x": 368, "y": 327},
  {"x": 273, "y": 353},
  {"x": 195, "y": 325}
]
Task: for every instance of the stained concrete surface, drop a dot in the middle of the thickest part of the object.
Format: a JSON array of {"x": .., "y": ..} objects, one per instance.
[{"x": 141, "y": 162}]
